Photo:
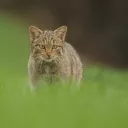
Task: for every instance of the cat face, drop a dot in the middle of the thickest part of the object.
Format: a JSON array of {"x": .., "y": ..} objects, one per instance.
[{"x": 47, "y": 45}]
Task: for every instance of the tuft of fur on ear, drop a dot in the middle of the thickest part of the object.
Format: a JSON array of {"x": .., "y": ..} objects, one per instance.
[
  {"x": 34, "y": 32},
  {"x": 61, "y": 32}
]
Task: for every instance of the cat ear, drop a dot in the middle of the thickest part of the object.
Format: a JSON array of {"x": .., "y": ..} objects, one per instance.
[
  {"x": 34, "y": 32},
  {"x": 61, "y": 32}
]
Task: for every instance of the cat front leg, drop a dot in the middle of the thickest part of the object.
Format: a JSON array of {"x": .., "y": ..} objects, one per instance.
[{"x": 33, "y": 77}]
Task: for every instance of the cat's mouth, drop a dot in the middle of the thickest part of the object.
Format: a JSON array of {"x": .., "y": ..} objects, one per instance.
[{"x": 48, "y": 59}]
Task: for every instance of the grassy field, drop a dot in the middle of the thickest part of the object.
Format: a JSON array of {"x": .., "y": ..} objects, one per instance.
[{"x": 101, "y": 102}]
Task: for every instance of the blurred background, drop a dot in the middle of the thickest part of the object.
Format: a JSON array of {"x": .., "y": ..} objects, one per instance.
[{"x": 98, "y": 29}]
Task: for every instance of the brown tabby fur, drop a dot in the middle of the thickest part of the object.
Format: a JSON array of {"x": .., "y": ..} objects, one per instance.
[{"x": 52, "y": 58}]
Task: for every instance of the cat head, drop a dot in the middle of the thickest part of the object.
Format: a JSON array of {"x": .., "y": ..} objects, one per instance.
[{"x": 47, "y": 45}]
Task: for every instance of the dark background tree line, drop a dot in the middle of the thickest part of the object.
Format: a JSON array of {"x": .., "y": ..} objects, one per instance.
[{"x": 97, "y": 28}]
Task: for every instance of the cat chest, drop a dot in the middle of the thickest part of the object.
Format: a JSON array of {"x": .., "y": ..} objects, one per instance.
[
  {"x": 49, "y": 70},
  {"x": 50, "y": 73}
]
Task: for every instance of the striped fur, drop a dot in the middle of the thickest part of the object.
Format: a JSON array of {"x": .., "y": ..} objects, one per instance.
[{"x": 52, "y": 58}]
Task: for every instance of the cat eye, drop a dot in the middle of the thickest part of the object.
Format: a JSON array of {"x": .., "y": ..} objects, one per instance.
[
  {"x": 37, "y": 45},
  {"x": 42, "y": 46},
  {"x": 54, "y": 46}
]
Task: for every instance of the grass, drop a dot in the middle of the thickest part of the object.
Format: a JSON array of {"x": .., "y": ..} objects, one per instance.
[{"x": 101, "y": 102}]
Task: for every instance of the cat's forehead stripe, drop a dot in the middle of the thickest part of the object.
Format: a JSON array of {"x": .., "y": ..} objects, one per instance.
[
  {"x": 48, "y": 33},
  {"x": 48, "y": 36}
]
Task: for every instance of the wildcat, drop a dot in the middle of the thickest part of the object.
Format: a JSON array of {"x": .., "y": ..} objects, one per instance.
[{"x": 51, "y": 58}]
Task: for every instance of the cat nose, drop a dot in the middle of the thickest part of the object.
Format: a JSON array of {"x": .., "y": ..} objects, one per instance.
[{"x": 48, "y": 55}]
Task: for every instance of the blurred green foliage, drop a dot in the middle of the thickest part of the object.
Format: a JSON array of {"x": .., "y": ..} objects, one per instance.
[{"x": 101, "y": 102}]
